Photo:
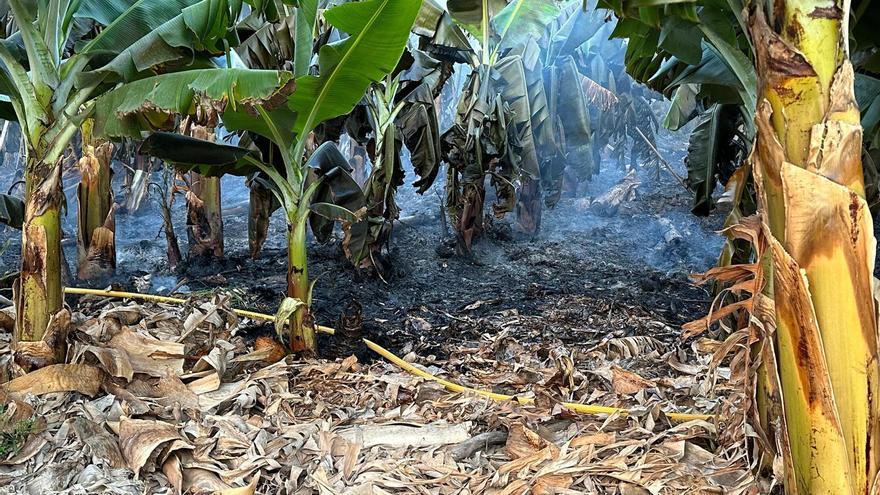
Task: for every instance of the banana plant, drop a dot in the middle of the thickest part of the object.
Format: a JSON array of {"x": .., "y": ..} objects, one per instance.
[
  {"x": 561, "y": 97},
  {"x": 372, "y": 37},
  {"x": 96, "y": 228},
  {"x": 492, "y": 135},
  {"x": 52, "y": 76}
]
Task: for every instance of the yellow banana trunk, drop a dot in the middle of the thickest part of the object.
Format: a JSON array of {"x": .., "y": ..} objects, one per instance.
[{"x": 807, "y": 166}]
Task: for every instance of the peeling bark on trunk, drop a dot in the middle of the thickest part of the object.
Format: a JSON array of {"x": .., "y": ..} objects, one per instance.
[
  {"x": 39, "y": 294},
  {"x": 359, "y": 165},
  {"x": 172, "y": 247},
  {"x": 137, "y": 179},
  {"x": 204, "y": 217},
  {"x": 96, "y": 227},
  {"x": 204, "y": 210}
]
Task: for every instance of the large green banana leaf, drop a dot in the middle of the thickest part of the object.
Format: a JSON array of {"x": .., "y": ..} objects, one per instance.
[
  {"x": 153, "y": 102},
  {"x": 208, "y": 158},
  {"x": 523, "y": 20},
  {"x": 202, "y": 27},
  {"x": 306, "y": 15},
  {"x": 378, "y": 31},
  {"x": 125, "y": 22}
]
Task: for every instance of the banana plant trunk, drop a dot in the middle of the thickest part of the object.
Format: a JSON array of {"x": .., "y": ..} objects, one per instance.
[
  {"x": 204, "y": 217},
  {"x": 807, "y": 168},
  {"x": 301, "y": 329},
  {"x": 96, "y": 227},
  {"x": 39, "y": 296}
]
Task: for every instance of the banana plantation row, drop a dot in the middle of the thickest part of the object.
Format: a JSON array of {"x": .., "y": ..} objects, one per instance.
[{"x": 266, "y": 89}]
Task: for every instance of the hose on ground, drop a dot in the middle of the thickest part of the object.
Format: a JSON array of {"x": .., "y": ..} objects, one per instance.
[{"x": 394, "y": 359}]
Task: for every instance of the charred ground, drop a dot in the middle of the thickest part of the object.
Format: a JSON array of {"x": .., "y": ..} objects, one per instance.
[{"x": 585, "y": 276}]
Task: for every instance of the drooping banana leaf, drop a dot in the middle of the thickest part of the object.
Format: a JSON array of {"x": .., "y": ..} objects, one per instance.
[
  {"x": 208, "y": 158},
  {"x": 425, "y": 69},
  {"x": 449, "y": 42},
  {"x": 574, "y": 117},
  {"x": 681, "y": 38},
  {"x": 576, "y": 26},
  {"x": 867, "y": 90},
  {"x": 714, "y": 153},
  {"x": 420, "y": 131},
  {"x": 428, "y": 19},
  {"x": 337, "y": 187},
  {"x": 471, "y": 15},
  {"x": 201, "y": 27},
  {"x": 11, "y": 211},
  {"x": 125, "y": 22},
  {"x": 555, "y": 157},
  {"x": 514, "y": 92},
  {"x": 271, "y": 46},
  {"x": 683, "y": 107},
  {"x": 152, "y": 103},
  {"x": 542, "y": 125},
  {"x": 597, "y": 95},
  {"x": 738, "y": 62}
]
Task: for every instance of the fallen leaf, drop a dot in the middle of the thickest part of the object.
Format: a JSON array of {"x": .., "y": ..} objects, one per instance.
[
  {"x": 628, "y": 383},
  {"x": 82, "y": 378},
  {"x": 140, "y": 440},
  {"x": 523, "y": 442}
]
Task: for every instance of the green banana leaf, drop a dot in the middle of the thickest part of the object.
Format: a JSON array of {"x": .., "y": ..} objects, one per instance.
[
  {"x": 152, "y": 103},
  {"x": 714, "y": 153},
  {"x": 523, "y": 20},
  {"x": 201, "y": 27},
  {"x": 378, "y": 31},
  {"x": 208, "y": 158},
  {"x": 306, "y": 15},
  {"x": 470, "y": 13},
  {"x": 683, "y": 107}
]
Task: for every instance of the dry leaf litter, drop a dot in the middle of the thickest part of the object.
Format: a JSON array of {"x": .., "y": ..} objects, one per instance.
[{"x": 166, "y": 400}]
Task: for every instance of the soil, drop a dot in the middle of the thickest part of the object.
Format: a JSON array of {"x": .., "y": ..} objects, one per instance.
[{"x": 613, "y": 267}]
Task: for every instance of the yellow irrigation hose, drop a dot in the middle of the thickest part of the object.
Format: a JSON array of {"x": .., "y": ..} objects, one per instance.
[{"x": 385, "y": 353}]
